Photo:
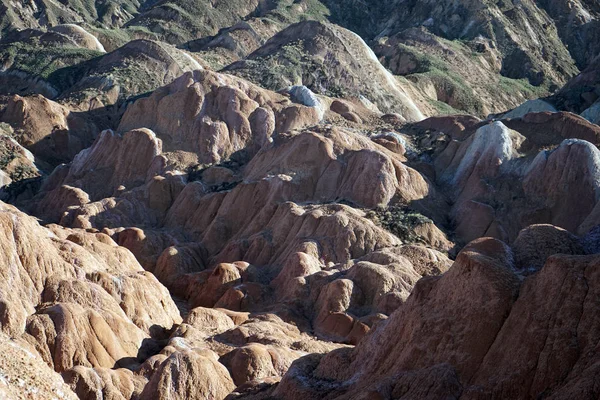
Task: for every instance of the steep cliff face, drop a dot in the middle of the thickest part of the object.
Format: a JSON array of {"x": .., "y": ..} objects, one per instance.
[{"x": 577, "y": 24}]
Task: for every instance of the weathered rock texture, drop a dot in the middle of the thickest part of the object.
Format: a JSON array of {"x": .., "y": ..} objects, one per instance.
[
  {"x": 467, "y": 319},
  {"x": 310, "y": 235},
  {"x": 329, "y": 60}
]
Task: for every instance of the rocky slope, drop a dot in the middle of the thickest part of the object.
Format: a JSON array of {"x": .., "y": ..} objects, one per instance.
[
  {"x": 268, "y": 200},
  {"x": 541, "y": 319}
]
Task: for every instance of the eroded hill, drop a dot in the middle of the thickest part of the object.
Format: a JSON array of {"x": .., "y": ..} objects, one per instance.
[{"x": 299, "y": 200}]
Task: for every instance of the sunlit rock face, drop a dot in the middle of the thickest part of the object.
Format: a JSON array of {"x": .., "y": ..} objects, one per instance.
[{"x": 299, "y": 200}]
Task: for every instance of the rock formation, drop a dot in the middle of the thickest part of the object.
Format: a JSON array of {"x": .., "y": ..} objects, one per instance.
[
  {"x": 299, "y": 200},
  {"x": 333, "y": 60},
  {"x": 521, "y": 315}
]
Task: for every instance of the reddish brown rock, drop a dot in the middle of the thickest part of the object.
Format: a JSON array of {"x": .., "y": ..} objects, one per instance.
[
  {"x": 458, "y": 127},
  {"x": 538, "y": 242},
  {"x": 110, "y": 165},
  {"x": 249, "y": 363},
  {"x": 548, "y": 129},
  {"x": 189, "y": 374},
  {"x": 48, "y": 129},
  {"x": 342, "y": 164},
  {"x": 565, "y": 181},
  {"x": 25, "y": 375},
  {"x": 471, "y": 357},
  {"x": 220, "y": 114}
]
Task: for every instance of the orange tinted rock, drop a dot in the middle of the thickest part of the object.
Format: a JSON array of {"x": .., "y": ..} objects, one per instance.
[
  {"x": 227, "y": 113},
  {"x": 249, "y": 362},
  {"x": 25, "y": 375},
  {"x": 189, "y": 374},
  {"x": 48, "y": 129}
]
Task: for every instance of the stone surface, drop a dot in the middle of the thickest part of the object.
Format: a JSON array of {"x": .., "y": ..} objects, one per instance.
[{"x": 245, "y": 200}]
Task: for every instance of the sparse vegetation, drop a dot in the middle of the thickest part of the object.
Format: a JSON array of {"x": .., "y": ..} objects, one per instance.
[
  {"x": 443, "y": 108},
  {"x": 400, "y": 221},
  {"x": 44, "y": 61},
  {"x": 452, "y": 89},
  {"x": 523, "y": 86},
  {"x": 287, "y": 11},
  {"x": 195, "y": 174},
  {"x": 291, "y": 66},
  {"x": 9, "y": 163}
]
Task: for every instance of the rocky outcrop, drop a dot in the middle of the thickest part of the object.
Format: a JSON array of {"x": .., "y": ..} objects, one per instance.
[
  {"x": 104, "y": 382},
  {"x": 189, "y": 373},
  {"x": 341, "y": 166},
  {"x": 79, "y": 36},
  {"x": 538, "y": 242},
  {"x": 216, "y": 116},
  {"x": 133, "y": 69},
  {"x": 25, "y": 375},
  {"x": 16, "y": 162},
  {"x": 112, "y": 165},
  {"x": 581, "y": 92},
  {"x": 478, "y": 364},
  {"x": 548, "y": 129},
  {"x": 497, "y": 180},
  {"x": 567, "y": 181},
  {"x": 49, "y": 130},
  {"x": 195, "y": 235},
  {"x": 530, "y": 106},
  {"x": 77, "y": 297}
]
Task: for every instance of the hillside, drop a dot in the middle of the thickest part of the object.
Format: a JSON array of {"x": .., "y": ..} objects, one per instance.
[{"x": 299, "y": 199}]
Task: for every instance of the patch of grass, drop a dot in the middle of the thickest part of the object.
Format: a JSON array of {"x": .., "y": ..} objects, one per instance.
[
  {"x": 523, "y": 86},
  {"x": 316, "y": 10},
  {"x": 460, "y": 46},
  {"x": 424, "y": 62},
  {"x": 443, "y": 108},
  {"x": 286, "y": 11},
  {"x": 22, "y": 172},
  {"x": 453, "y": 90},
  {"x": 214, "y": 60}
]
